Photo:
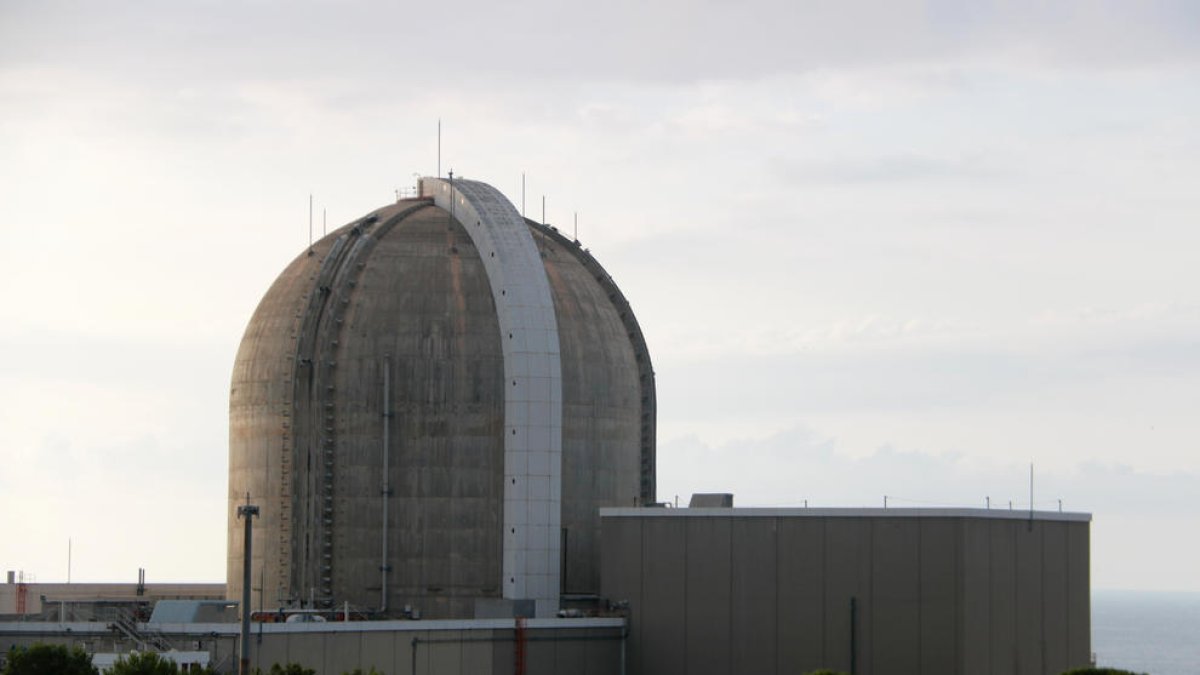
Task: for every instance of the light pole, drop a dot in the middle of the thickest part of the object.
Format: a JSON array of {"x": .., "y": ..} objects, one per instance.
[{"x": 248, "y": 511}]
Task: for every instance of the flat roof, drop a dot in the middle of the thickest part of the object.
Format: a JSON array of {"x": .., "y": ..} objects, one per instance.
[{"x": 802, "y": 512}]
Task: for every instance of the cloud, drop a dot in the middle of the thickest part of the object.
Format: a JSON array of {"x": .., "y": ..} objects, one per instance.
[
  {"x": 892, "y": 168},
  {"x": 1137, "y": 514},
  {"x": 620, "y": 41}
]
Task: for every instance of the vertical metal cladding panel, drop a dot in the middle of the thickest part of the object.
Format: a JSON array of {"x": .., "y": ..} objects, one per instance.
[
  {"x": 1079, "y": 597},
  {"x": 941, "y": 617},
  {"x": 305, "y": 648},
  {"x": 343, "y": 651},
  {"x": 569, "y": 655},
  {"x": 378, "y": 650},
  {"x": 895, "y": 615},
  {"x": 662, "y": 638},
  {"x": 273, "y": 649},
  {"x": 975, "y": 636},
  {"x": 621, "y": 570},
  {"x": 1030, "y": 627},
  {"x": 503, "y": 653},
  {"x": 708, "y": 594},
  {"x": 847, "y": 575},
  {"x": 801, "y": 605},
  {"x": 1003, "y": 598},
  {"x": 445, "y": 651},
  {"x": 602, "y": 653},
  {"x": 476, "y": 656},
  {"x": 753, "y": 609},
  {"x": 1055, "y": 611}
]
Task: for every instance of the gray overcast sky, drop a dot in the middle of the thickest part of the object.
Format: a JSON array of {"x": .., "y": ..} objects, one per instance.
[{"x": 876, "y": 247}]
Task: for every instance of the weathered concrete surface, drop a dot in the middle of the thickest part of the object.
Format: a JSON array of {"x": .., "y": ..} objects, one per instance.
[{"x": 405, "y": 290}]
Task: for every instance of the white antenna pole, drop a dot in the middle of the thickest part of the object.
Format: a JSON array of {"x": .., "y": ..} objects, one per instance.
[
  {"x": 543, "y": 209},
  {"x": 324, "y": 230},
  {"x": 576, "y": 226}
]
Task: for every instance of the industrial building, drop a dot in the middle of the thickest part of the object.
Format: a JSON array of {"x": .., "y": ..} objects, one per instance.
[
  {"x": 429, "y": 406},
  {"x": 445, "y": 415},
  {"x": 928, "y": 591}
]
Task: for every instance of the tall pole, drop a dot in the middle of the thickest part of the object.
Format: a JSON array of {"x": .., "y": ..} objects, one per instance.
[
  {"x": 387, "y": 487},
  {"x": 248, "y": 511}
]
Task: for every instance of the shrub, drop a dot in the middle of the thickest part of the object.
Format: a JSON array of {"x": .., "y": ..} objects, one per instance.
[
  {"x": 291, "y": 669},
  {"x": 145, "y": 663},
  {"x": 42, "y": 659}
]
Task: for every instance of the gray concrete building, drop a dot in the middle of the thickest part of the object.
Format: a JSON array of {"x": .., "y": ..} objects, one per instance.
[
  {"x": 429, "y": 406},
  {"x": 864, "y": 591}
]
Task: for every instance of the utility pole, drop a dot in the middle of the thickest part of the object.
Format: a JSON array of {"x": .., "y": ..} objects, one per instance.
[{"x": 247, "y": 511}]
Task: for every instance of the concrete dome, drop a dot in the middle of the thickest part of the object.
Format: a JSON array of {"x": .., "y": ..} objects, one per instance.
[{"x": 430, "y": 406}]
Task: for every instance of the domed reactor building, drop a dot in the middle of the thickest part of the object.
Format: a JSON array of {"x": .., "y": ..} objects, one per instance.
[{"x": 429, "y": 406}]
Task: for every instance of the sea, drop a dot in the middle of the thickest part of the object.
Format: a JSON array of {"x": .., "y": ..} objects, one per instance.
[{"x": 1147, "y": 632}]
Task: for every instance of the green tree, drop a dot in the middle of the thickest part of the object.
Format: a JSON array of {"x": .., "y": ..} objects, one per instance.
[
  {"x": 43, "y": 659},
  {"x": 145, "y": 663}
]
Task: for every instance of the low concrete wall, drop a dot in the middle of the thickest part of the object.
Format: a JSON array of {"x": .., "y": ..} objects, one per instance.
[
  {"x": 583, "y": 646},
  {"x": 933, "y": 591}
]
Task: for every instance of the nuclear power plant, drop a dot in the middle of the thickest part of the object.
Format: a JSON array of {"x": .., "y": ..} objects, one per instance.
[
  {"x": 430, "y": 405},
  {"x": 445, "y": 416}
]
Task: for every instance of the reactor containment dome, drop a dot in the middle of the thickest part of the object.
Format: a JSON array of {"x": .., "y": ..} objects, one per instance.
[{"x": 429, "y": 406}]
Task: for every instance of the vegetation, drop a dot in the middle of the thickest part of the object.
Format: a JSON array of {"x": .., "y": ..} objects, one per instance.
[
  {"x": 291, "y": 669},
  {"x": 43, "y": 659},
  {"x": 144, "y": 663}
]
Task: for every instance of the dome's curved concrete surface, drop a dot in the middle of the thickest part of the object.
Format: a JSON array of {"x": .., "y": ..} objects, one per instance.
[{"x": 389, "y": 329}]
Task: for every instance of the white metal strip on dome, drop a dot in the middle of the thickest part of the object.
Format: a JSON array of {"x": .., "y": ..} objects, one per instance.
[{"x": 533, "y": 385}]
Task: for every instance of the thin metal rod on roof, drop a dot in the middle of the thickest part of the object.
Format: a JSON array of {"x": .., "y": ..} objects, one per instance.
[
  {"x": 324, "y": 222},
  {"x": 543, "y": 209},
  {"x": 576, "y": 226},
  {"x": 1031, "y": 495}
]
